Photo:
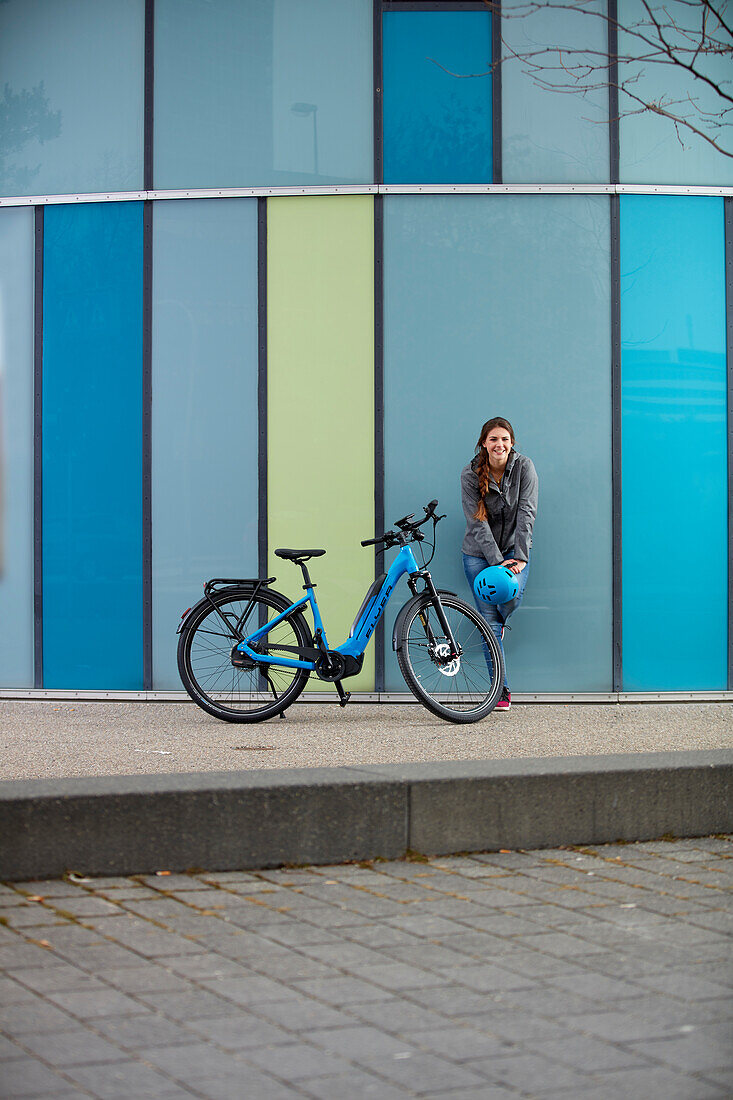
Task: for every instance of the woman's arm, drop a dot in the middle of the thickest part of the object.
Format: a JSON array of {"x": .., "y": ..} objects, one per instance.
[
  {"x": 478, "y": 529},
  {"x": 526, "y": 510}
]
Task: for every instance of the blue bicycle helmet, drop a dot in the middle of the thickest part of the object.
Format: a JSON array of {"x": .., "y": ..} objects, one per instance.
[{"x": 496, "y": 584}]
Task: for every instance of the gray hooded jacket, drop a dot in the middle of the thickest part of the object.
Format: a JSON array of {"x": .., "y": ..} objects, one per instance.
[{"x": 511, "y": 509}]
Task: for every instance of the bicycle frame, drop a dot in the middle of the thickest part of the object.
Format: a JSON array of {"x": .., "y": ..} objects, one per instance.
[{"x": 362, "y": 630}]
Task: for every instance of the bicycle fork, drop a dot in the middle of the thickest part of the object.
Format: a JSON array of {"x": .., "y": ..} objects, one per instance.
[{"x": 455, "y": 650}]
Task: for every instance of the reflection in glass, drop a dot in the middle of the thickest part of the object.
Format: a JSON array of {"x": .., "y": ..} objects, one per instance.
[
  {"x": 437, "y": 97},
  {"x": 71, "y": 96},
  {"x": 552, "y": 137},
  {"x": 270, "y": 93}
]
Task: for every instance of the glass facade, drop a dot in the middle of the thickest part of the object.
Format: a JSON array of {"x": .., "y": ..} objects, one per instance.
[
  {"x": 72, "y": 87},
  {"x": 16, "y": 448},
  {"x": 92, "y": 446},
  {"x": 318, "y": 358},
  {"x": 437, "y": 97},
  {"x": 320, "y": 398},
  {"x": 479, "y": 322},
  {"x": 271, "y": 92},
  {"x": 204, "y": 427},
  {"x": 675, "y": 552}
]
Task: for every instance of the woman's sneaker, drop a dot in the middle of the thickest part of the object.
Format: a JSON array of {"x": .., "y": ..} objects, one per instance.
[{"x": 505, "y": 700}]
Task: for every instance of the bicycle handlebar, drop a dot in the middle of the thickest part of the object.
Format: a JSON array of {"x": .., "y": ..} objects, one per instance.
[{"x": 407, "y": 528}]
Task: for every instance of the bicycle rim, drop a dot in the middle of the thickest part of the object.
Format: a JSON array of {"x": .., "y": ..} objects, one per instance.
[
  {"x": 205, "y": 664},
  {"x": 465, "y": 689}
]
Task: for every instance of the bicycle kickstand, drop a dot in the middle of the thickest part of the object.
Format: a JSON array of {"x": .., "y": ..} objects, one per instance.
[{"x": 344, "y": 696}]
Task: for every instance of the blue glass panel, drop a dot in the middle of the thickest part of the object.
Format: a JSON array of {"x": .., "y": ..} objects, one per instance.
[
  {"x": 271, "y": 92},
  {"x": 92, "y": 446},
  {"x": 652, "y": 148},
  {"x": 500, "y": 306},
  {"x": 437, "y": 126},
  {"x": 553, "y": 137},
  {"x": 72, "y": 76},
  {"x": 204, "y": 408},
  {"x": 16, "y": 448},
  {"x": 675, "y": 499}
]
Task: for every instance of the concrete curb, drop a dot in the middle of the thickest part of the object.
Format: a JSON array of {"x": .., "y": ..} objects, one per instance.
[{"x": 238, "y": 820}]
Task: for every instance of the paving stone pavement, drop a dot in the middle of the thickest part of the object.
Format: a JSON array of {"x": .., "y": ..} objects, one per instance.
[{"x": 596, "y": 973}]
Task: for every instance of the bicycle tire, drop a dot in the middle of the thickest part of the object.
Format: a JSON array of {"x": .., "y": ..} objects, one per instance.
[
  {"x": 204, "y": 654},
  {"x": 465, "y": 690}
]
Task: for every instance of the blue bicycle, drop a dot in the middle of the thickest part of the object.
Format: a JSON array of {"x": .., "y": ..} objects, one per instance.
[{"x": 245, "y": 651}]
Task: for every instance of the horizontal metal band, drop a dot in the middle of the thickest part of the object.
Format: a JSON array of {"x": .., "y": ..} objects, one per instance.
[
  {"x": 380, "y": 697},
  {"x": 376, "y": 189}
]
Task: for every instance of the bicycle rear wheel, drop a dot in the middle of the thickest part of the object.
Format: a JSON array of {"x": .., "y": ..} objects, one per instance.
[
  {"x": 205, "y": 649},
  {"x": 464, "y": 689}
]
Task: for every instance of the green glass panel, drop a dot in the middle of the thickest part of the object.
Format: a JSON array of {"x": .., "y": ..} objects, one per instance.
[{"x": 320, "y": 394}]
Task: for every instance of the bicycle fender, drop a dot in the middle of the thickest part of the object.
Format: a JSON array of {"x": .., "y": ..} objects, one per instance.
[{"x": 403, "y": 612}]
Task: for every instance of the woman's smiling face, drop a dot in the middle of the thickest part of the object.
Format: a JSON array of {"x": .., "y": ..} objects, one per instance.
[{"x": 498, "y": 444}]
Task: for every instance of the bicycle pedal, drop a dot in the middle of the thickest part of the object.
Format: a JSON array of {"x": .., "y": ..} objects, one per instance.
[{"x": 344, "y": 699}]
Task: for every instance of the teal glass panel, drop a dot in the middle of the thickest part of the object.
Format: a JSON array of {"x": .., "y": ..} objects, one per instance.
[
  {"x": 652, "y": 148},
  {"x": 16, "y": 447},
  {"x": 72, "y": 82},
  {"x": 204, "y": 408},
  {"x": 499, "y": 305},
  {"x": 269, "y": 93},
  {"x": 675, "y": 497},
  {"x": 92, "y": 446},
  {"x": 553, "y": 136},
  {"x": 437, "y": 125}
]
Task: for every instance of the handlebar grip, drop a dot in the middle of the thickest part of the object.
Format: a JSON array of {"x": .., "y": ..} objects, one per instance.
[{"x": 370, "y": 542}]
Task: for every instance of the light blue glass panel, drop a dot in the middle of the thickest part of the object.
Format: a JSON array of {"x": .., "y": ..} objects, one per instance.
[
  {"x": 16, "y": 448},
  {"x": 499, "y": 305},
  {"x": 204, "y": 408},
  {"x": 92, "y": 446},
  {"x": 271, "y": 92},
  {"x": 652, "y": 148},
  {"x": 675, "y": 494},
  {"x": 437, "y": 125},
  {"x": 72, "y": 79},
  {"x": 553, "y": 136}
]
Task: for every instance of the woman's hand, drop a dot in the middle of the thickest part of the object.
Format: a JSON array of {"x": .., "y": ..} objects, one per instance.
[{"x": 514, "y": 565}]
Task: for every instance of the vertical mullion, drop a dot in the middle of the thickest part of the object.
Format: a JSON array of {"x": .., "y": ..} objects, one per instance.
[
  {"x": 728, "y": 215},
  {"x": 616, "y": 486},
  {"x": 379, "y": 524},
  {"x": 613, "y": 105},
  {"x": 149, "y": 94},
  {"x": 496, "y": 138},
  {"x": 262, "y": 385},
  {"x": 147, "y": 410},
  {"x": 378, "y": 97},
  {"x": 38, "y": 454}
]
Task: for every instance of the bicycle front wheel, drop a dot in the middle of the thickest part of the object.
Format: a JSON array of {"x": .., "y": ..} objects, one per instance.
[
  {"x": 206, "y": 649},
  {"x": 464, "y": 689}
]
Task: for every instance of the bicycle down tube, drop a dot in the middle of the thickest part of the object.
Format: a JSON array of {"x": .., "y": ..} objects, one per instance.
[{"x": 363, "y": 628}]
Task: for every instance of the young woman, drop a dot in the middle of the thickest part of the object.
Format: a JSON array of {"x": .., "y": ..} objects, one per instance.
[{"x": 499, "y": 493}]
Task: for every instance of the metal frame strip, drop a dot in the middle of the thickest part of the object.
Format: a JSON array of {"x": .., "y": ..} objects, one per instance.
[
  {"x": 149, "y": 96},
  {"x": 616, "y": 453},
  {"x": 496, "y": 131},
  {"x": 382, "y": 696},
  {"x": 147, "y": 451},
  {"x": 728, "y": 215},
  {"x": 38, "y": 452},
  {"x": 378, "y": 69},
  {"x": 377, "y": 189},
  {"x": 613, "y": 105},
  {"x": 378, "y": 418},
  {"x": 262, "y": 386}
]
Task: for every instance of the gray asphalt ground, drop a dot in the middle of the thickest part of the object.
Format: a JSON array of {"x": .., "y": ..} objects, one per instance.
[
  {"x": 601, "y": 974},
  {"x": 47, "y": 739}
]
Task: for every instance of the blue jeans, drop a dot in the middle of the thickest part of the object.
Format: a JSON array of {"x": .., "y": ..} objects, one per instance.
[{"x": 495, "y": 615}]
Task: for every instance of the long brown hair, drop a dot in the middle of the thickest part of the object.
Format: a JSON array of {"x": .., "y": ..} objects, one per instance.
[{"x": 482, "y": 462}]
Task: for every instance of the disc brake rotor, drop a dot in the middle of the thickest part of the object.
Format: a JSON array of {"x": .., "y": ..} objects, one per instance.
[{"x": 441, "y": 655}]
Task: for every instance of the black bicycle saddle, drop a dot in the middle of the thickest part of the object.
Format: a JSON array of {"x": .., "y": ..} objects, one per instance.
[{"x": 299, "y": 555}]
